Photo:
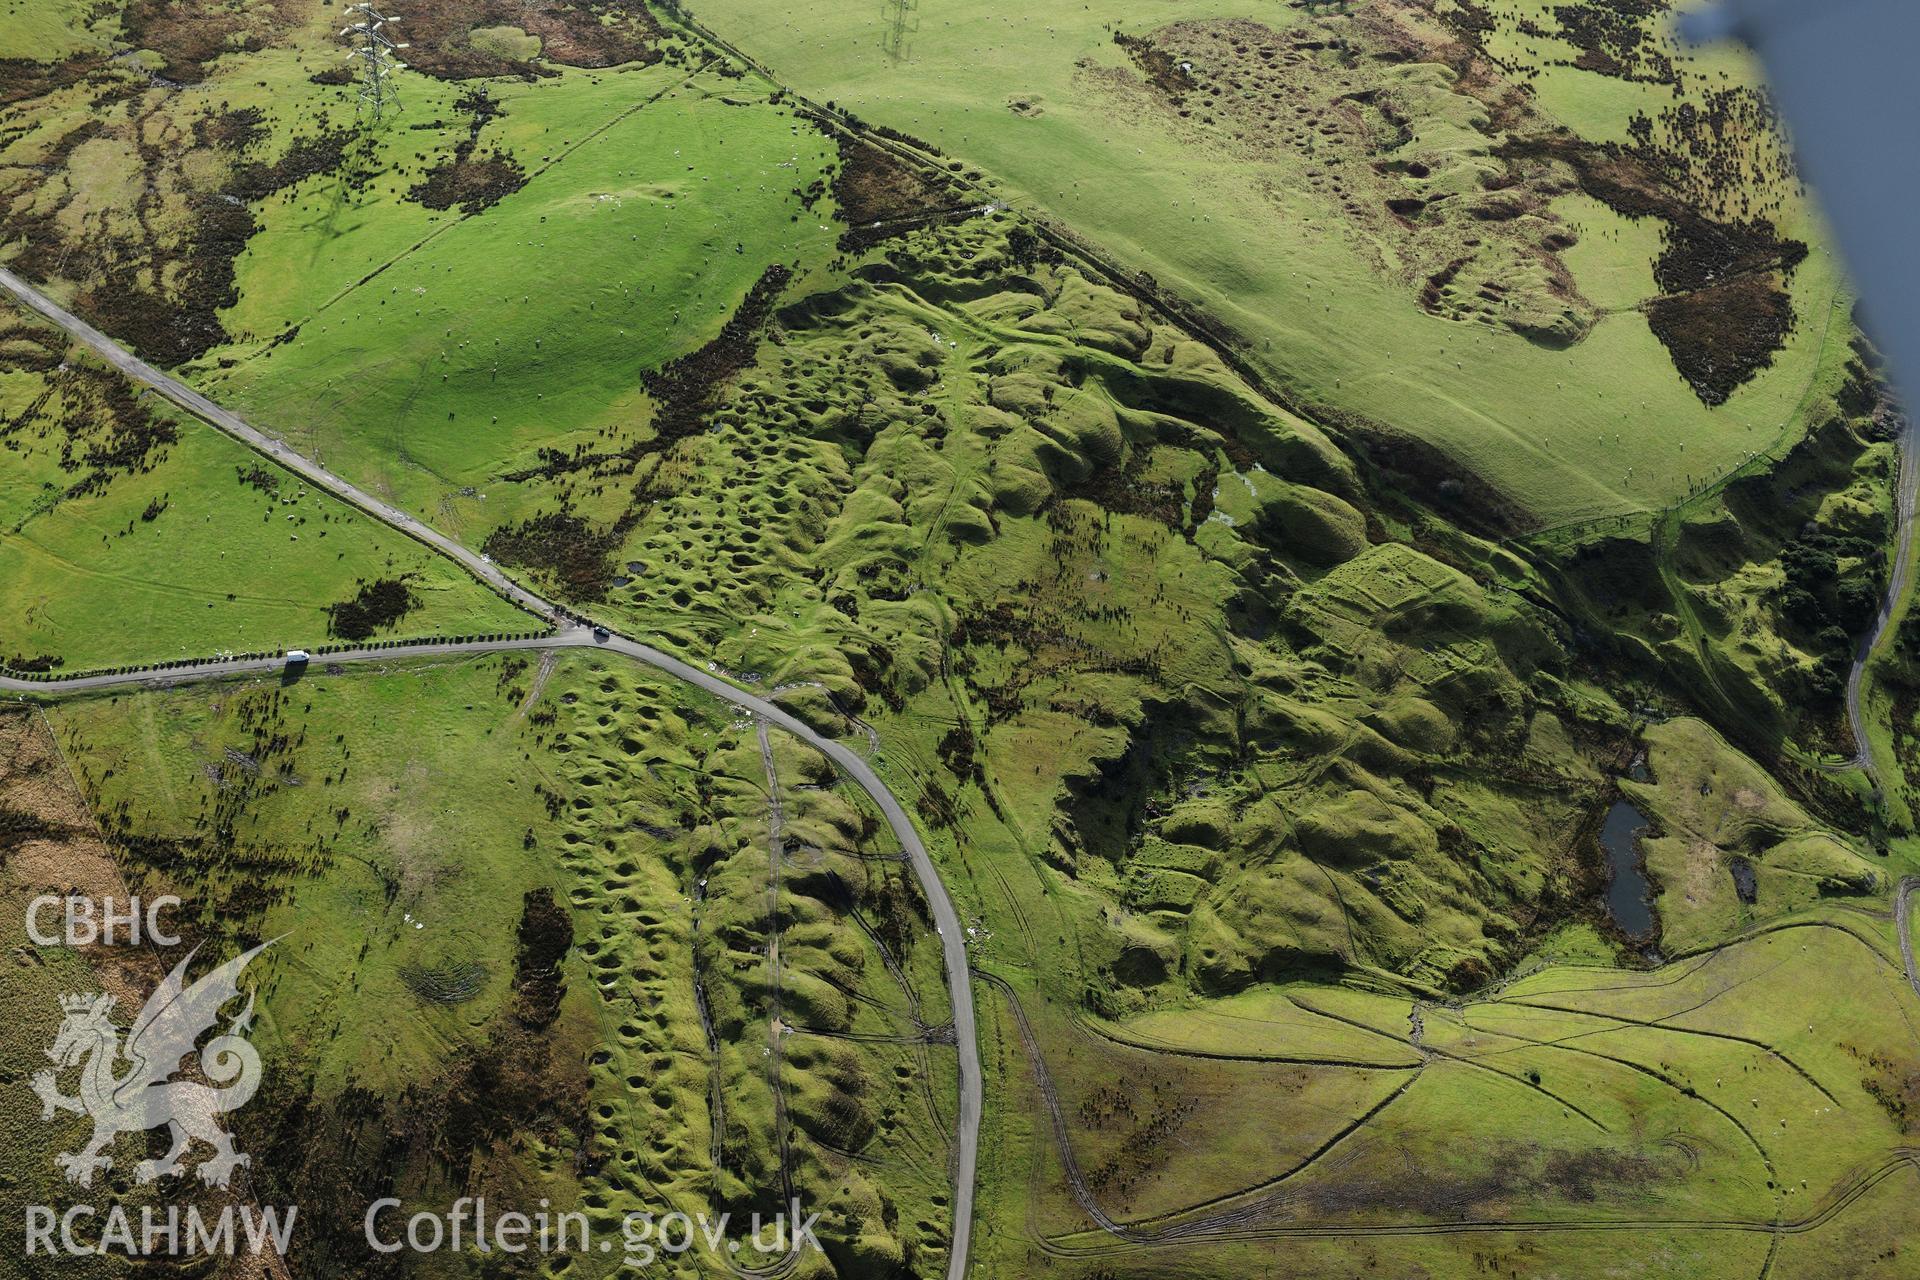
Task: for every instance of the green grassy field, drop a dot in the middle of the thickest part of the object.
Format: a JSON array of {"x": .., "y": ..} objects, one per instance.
[
  {"x": 400, "y": 868},
  {"x": 653, "y": 199},
  {"x": 1046, "y": 103},
  {"x": 40, "y": 29},
  {"x": 1576, "y": 1096},
  {"x": 905, "y": 502},
  {"x": 265, "y": 848},
  {"x": 1262, "y": 725},
  {"x": 1372, "y": 778},
  {"x": 444, "y": 308},
  {"x": 133, "y": 533},
  {"x": 1714, "y": 808}
]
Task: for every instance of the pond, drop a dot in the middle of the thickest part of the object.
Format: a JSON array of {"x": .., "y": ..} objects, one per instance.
[
  {"x": 1629, "y": 897},
  {"x": 1745, "y": 884}
]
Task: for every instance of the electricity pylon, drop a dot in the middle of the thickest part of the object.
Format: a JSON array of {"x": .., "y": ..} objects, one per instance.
[{"x": 377, "y": 50}]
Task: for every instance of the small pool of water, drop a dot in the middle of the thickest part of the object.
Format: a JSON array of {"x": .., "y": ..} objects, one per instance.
[
  {"x": 1629, "y": 900},
  {"x": 1745, "y": 883}
]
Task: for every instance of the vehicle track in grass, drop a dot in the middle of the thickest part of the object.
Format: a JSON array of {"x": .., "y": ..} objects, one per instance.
[{"x": 1867, "y": 1179}]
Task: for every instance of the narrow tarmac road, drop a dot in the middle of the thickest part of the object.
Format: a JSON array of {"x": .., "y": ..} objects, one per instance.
[
  {"x": 259, "y": 441},
  {"x": 570, "y": 634},
  {"x": 1902, "y": 912},
  {"x": 1906, "y": 496}
]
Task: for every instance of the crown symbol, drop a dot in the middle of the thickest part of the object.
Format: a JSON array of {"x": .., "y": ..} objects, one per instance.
[{"x": 81, "y": 1003}]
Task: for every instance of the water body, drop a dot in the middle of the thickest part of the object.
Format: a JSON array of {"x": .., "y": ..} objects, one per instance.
[
  {"x": 1629, "y": 896},
  {"x": 1745, "y": 883}
]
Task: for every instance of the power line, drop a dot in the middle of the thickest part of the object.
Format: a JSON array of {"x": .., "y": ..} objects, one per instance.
[{"x": 376, "y": 49}]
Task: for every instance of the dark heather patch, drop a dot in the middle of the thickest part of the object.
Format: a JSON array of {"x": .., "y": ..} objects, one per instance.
[
  {"x": 683, "y": 391},
  {"x": 1158, "y": 66},
  {"x": 545, "y": 936},
  {"x": 872, "y": 185},
  {"x": 1720, "y": 337},
  {"x": 173, "y": 325},
  {"x": 103, "y": 428},
  {"x": 23, "y": 78},
  {"x": 377, "y": 604},
  {"x": 305, "y": 158},
  {"x": 337, "y": 1154},
  {"x": 1712, "y": 166},
  {"x": 162, "y": 295},
  {"x": 1702, "y": 254},
  {"x": 26, "y": 349},
  {"x": 18, "y": 827},
  {"x": 1123, "y": 489},
  {"x": 1746, "y": 886},
  {"x": 1725, "y": 312},
  {"x": 1430, "y": 475},
  {"x": 1613, "y": 39},
  {"x": 232, "y": 130},
  {"x": 1507, "y": 1169},
  {"x": 562, "y": 544},
  {"x": 584, "y": 33},
  {"x": 472, "y": 182},
  {"x": 188, "y": 36}
]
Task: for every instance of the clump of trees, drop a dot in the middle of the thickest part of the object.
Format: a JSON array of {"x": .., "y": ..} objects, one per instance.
[{"x": 1832, "y": 607}]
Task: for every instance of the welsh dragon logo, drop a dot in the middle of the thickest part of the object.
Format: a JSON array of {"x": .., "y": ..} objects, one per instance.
[{"x": 146, "y": 1096}]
